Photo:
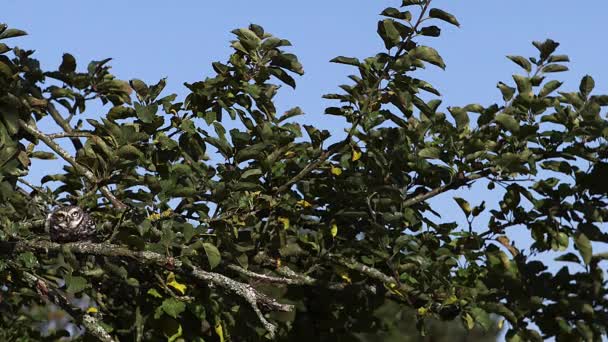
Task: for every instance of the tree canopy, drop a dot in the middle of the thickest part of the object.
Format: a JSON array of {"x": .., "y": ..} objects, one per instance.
[{"x": 221, "y": 218}]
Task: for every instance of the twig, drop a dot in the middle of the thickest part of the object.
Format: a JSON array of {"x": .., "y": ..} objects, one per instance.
[
  {"x": 450, "y": 186},
  {"x": 68, "y": 158},
  {"x": 324, "y": 156},
  {"x": 49, "y": 291},
  {"x": 246, "y": 291}
]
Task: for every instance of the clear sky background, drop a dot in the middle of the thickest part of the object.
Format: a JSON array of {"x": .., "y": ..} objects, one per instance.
[{"x": 179, "y": 40}]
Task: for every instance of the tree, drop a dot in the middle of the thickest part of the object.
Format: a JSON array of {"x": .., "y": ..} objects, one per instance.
[{"x": 261, "y": 232}]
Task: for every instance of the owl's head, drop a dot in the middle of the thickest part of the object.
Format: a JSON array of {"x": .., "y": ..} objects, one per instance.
[{"x": 68, "y": 217}]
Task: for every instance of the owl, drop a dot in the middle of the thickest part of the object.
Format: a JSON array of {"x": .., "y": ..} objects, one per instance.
[{"x": 71, "y": 224}]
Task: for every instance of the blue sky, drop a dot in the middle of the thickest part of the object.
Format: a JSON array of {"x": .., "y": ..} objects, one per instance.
[{"x": 179, "y": 39}]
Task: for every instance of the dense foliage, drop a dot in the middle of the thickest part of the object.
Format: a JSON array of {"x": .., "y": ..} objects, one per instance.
[{"x": 267, "y": 230}]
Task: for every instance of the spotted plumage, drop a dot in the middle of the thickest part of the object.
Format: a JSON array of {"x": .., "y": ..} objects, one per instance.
[{"x": 71, "y": 224}]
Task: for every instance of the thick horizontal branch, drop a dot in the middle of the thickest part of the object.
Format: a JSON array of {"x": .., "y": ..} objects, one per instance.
[
  {"x": 49, "y": 291},
  {"x": 361, "y": 268},
  {"x": 68, "y": 158},
  {"x": 73, "y": 134},
  {"x": 289, "y": 277},
  {"x": 254, "y": 298}
]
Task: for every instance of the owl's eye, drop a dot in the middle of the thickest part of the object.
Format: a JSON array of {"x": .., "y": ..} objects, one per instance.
[{"x": 75, "y": 214}]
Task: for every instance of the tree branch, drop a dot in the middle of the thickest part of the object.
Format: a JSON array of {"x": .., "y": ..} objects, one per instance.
[
  {"x": 324, "y": 156},
  {"x": 289, "y": 278},
  {"x": 81, "y": 134},
  {"x": 49, "y": 291},
  {"x": 450, "y": 186},
  {"x": 246, "y": 291},
  {"x": 63, "y": 124},
  {"x": 68, "y": 158}
]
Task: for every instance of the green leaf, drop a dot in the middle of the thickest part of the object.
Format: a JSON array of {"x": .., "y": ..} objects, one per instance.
[
  {"x": 147, "y": 114},
  {"x": 482, "y": 318},
  {"x": 121, "y": 112},
  {"x": 251, "y": 172},
  {"x": 558, "y": 58},
  {"x": 75, "y": 284},
  {"x": 139, "y": 86},
  {"x": 129, "y": 152},
  {"x": 389, "y": 33},
  {"x": 464, "y": 205},
  {"x": 429, "y": 153},
  {"x": 443, "y": 15},
  {"x": 508, "y": 122},
  {"x": 545, "y": 48},
  {"x": 569, "y": 257},
  {"x": 549, "y": 87},
  {"x": 173, "y": 307},
  {"x": 154, "y": 293},
  {"x": 395, "y": 13},
  {"x": 522, "y": 62},
  {"x": 12, "y": 33},
  {"x": 27, "y": 259},
  {"x": 213, "y": 254},
  {"x": 43, "y": 155},
  {"x": 283, "y": 76},
  {"x": 427, "y": 54},
  {"x": 346, "y": 60},
  {"x": 582, "y": 243},
  {"x": 460, "y": 116},
  {"x": 587, "y": 85},
  {"x": 68, "y": 63},
  {"x": 554, "y": 68},
  {"x": 524, "y": 86},
  {"x": 405, "y": 3},
  {"x": 507, "y": 92},
  {"x": 430, "y": 31}
]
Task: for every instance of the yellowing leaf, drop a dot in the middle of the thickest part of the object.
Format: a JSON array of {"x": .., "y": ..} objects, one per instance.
[
  {"x": 92, "y": 310},
  {"x": 219, "y": 331},
  {"x": 505, "y": 242},
  {"x": 154, "y": 217},
  {"x": 422, "y": 311},
  {"x": 500, "y": 324},
  {"x": 290, "y": 154},
  {"x": 175, "y": 336},
  {"x": 450, "y": 300},
  {"x": 336, "y": 170},
  {"x": 284, "y": 221},
  {"x": 334, "y": 230},
  {"x": 278, "y": 262},
  {"x": 304, "y": 203},
  {"x": 181, "y": 288},
  {"x": 468, "y": 321},
  {"x": 356, "y": 155},
  {"x": 346, "y": 277}
]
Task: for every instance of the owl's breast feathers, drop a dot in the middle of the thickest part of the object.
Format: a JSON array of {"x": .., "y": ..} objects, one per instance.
[{"x": 71, "y": 224}]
